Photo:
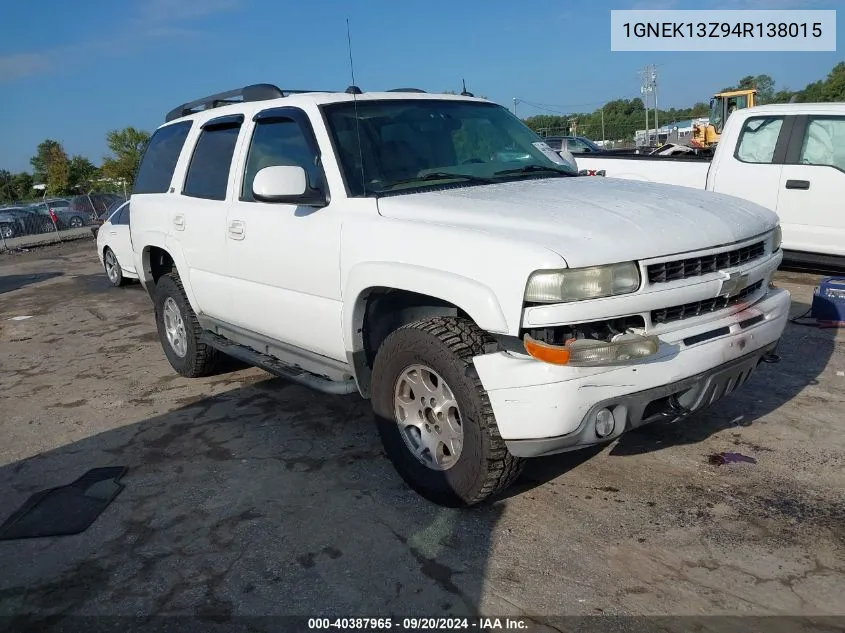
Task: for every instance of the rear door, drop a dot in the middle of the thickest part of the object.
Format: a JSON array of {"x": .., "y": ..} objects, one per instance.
[
  {"x": 811, "y": 201},
  {"x": 198, "y": 219},
  {"x": 754, "y": 170}
]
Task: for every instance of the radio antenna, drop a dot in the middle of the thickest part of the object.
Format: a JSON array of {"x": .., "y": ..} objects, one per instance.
[{"x": 354, "y": 89}]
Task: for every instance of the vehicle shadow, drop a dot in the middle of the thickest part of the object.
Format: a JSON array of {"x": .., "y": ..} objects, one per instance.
[
  {"x": 265, "y": 500},
  {"x": 9, "y": 283},
  {"x": 804, "y": 352}
]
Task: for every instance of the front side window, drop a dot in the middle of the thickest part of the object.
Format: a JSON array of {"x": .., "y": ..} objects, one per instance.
[
  {"x": 208, "y": 173},
  {"x": 279, "y": 142},
  {"x": 159, "y": 161},
  {"x": 758, "y": 139},
  {"x": 824, "y": 142},
  {"x": 415, "y": 144}
]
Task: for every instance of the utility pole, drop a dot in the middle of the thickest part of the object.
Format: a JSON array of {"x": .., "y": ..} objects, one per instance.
[
  {"x": 602, "y": 125},
  {"x": 649, "y": 86},
  {"x": 515, "y": 101},
  {"x": 644, "y": 93},
  {"x": 653, "y": 82}
]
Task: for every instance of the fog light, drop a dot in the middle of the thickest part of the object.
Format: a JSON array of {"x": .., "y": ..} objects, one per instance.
[{"x": 604, "y": 423}]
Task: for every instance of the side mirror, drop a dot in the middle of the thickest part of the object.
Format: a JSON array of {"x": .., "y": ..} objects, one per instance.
[{"x": 286, "y": 184}]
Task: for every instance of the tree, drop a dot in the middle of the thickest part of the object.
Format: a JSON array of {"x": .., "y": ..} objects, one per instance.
[
  {"x": 764, "y": 84},
  {"x": 58, "y": 172},
  {"x": 41, "y": 161},
  {"x": 127, "y": 146},
  {"x": 22, "y": 185},
  {"x": 7, "y": 190},
  {"x": 83, "y": 173}
]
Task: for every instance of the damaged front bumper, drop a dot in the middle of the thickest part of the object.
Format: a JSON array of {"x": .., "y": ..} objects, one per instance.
[{"x": 542, "y": 408}]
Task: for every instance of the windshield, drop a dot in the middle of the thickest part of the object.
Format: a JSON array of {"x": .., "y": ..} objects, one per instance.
[{"x": 413, "y": 144}]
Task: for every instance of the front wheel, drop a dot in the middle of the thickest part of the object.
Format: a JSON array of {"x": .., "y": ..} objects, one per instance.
[
  {"x": 76, "y": 222},
  {"x": 113, "y": 270},
  {"x": 180, "y": 332},
  {"x": 7, "y": 231},
  {"x": 434, "y": 416}
]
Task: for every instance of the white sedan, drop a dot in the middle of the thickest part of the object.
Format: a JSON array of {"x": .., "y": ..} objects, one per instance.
[{"x": 114, "y": 247}]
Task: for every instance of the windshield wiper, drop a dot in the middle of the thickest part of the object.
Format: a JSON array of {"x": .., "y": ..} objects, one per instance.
[
  {"x": 533, "y": 169},
  {"x": 440, "y": 175}
]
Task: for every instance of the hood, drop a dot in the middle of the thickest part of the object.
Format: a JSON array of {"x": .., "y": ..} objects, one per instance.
[{"x": 590, "y": 220}]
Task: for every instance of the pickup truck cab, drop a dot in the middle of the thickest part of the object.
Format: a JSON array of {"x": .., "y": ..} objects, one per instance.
[
  {"x": 789, "y": 158},
  {"x": 432, "y": 254}
]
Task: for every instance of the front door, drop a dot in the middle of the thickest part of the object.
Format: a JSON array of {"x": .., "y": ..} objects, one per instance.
[
  {"x": 284, "y": 259},
  {"x": 120, "y": 240}
]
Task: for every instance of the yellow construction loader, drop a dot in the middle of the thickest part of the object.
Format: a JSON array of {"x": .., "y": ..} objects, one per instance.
[{"x": 721, "y": 106}]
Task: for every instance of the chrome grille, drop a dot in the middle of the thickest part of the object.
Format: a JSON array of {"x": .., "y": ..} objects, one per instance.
[
  {"x": 697, "y": 266},
  {"x": 696, "y": 308}
]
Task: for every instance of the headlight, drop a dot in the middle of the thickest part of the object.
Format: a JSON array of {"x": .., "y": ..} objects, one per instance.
[
  {"x": 777, "y": 238},
  {"x": 556, "y": 286}
]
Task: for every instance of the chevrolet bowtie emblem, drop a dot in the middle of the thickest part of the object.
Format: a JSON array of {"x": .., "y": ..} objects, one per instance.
[{"x": 732, "y": 284}]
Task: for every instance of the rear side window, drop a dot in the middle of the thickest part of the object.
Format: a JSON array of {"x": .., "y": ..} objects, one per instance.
[
  {"x": 824, "y": 142},
  {"x": 758, "y": 140},
  {"x": 160, "y": 158},
  {"x": 208, "y": 173},
  {"x": 122, "y": 216}
]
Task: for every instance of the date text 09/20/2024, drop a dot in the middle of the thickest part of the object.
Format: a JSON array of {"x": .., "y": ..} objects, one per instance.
[{"x": 417, "y": 624}]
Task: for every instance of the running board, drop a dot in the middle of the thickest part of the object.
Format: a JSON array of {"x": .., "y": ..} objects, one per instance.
[{"x": 278, "y": 368}]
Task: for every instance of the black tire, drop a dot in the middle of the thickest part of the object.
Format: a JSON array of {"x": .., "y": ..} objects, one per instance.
[
  {"x": 446, "y": 345},
  {"x": 7, "y": 231},
  {"x": 200, "y": 359},
  {"x": 118, "y": 279},
  {"x": 76, "y": 222}
]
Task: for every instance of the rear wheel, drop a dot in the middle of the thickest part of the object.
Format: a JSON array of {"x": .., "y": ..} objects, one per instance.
[
  {"x": 434, "y": 416},
  {"x": 7, "y": 231},
  {"x": 76, "y": 222},
  {"x": 180, "y": 332}
]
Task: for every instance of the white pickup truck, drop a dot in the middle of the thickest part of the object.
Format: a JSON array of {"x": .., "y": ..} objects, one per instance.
[
  {"x": 789, "y": 158},
  {"x": 432, "y": 254}
]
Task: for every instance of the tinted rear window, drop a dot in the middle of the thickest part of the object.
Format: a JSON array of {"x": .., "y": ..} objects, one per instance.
[
  {"x": 208, "y": 174},
  {"x": 160, "y": 157}
]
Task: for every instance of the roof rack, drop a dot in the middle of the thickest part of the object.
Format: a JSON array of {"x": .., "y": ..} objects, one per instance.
[{"x": 254, "y": 92}]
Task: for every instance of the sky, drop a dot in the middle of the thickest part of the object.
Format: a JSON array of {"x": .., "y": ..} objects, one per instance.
[{"x": 72, "y": 71}]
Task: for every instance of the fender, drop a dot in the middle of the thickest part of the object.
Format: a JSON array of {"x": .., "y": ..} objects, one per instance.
[
  {"x": 167, "y": 243},
  {"x": 474, "y": 298}
]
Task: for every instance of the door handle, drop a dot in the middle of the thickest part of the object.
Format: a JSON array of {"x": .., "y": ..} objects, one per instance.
[
  {"x": 179, "y": 222},
  {"x": 797, "y": 184},
  {"x": 236, "y": 230}
]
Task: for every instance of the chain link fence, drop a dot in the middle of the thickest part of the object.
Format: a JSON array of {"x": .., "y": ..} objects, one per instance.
[
  {"x": 612, "y": 136},
  {"x": 38, "y": 222}
]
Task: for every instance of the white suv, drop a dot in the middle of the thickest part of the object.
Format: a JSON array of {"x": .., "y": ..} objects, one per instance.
[{"x": 433, "y": 254}]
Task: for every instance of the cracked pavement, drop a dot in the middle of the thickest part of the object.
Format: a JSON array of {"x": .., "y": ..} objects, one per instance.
[{"x": 247, "y": 495}]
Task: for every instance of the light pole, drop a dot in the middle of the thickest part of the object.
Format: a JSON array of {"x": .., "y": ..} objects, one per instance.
[{"x": 653, "y": 78}]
